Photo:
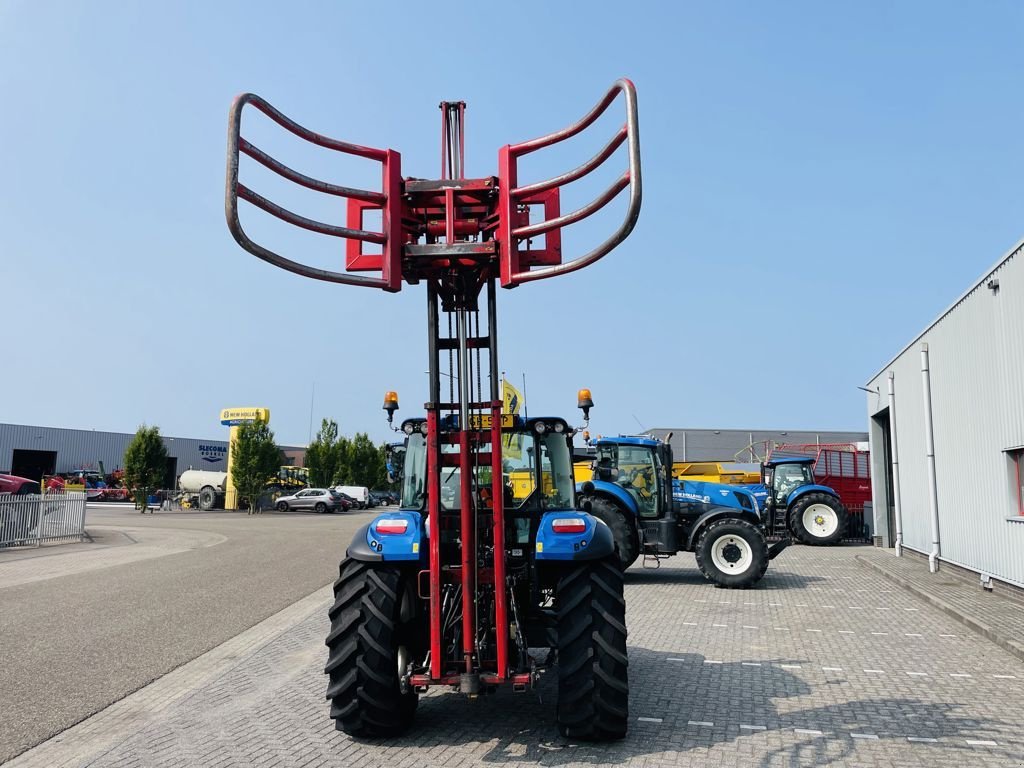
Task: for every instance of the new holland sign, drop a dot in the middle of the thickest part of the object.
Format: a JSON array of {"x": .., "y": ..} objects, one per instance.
[{"x": 232, "y": 417}]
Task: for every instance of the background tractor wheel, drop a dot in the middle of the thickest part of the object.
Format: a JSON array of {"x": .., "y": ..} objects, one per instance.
[
  {"x": 593, "y": 687},
  {"x": 624, "y": 533},
  {"x": 207, "y": 498},
  {"x": 364, "y": 652},
  {"x": 732, "y": 553},
  {"x": 818, "y": 519}
]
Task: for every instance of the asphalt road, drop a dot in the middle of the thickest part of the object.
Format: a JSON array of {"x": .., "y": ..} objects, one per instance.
[{"x": 72, "y": 644}]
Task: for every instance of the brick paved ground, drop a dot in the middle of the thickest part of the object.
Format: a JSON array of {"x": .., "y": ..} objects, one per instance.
[
  {"x": 828, "y": 663},
  {"x": 995, "y": 615}
]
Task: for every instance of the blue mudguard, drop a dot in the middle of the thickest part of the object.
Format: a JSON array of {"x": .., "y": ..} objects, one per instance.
[
  {"x": 805, "y": 489},
  {"x": 593, "y": 543},
  {"x": 614, "y": 490},
  {"x": 371, "y": 545}
]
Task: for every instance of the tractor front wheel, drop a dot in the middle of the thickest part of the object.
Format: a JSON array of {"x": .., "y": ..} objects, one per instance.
[
  {"x": 626, "y": 541},
  {"x": 732, "y": 553},
  {"x": 818, "y": 519},
  {"x": 593, "y": 687},
  {"x": 365, "y": 652}
]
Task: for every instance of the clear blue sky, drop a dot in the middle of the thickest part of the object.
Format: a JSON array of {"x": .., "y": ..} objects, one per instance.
[{"x": 821, "y": 180}]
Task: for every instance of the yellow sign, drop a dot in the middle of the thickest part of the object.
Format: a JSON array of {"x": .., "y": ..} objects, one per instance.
[
  {"x": 232, "y": 417},
  {"x": 483, "y": 421}
]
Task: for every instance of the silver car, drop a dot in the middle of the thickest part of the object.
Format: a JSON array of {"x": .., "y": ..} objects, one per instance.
[{"x": 317, "y": 499}]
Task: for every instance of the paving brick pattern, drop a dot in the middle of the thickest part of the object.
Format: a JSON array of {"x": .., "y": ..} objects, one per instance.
[
  {"x": 827, "y": 663},
  {"x": 997, "y": 616}
]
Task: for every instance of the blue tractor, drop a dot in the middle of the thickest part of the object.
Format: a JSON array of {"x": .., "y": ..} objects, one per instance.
[
  {"x": 789, "y": 496},
  {"x": 652, "y": 514}
]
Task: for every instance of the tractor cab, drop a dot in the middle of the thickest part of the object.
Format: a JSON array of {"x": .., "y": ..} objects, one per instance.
[
  {"x": 784, "y": 474},
  {"x": 638, "y": 466},
  {"x": 536, "y": 461}
]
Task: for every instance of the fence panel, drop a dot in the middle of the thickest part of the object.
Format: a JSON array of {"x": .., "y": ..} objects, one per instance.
[{"x": 31, "y": 519}]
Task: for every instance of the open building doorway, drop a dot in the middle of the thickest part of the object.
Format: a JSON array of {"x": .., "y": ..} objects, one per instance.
[
  {"x": 882, "y": 449},
  {"x": 33, "y": 464}
]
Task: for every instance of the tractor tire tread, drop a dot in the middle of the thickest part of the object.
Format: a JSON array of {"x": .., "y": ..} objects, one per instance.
[
  {"x": 626, "y": 539},
  {"x": 593, "y": 693},
  {"x": 363, "y": 684}
]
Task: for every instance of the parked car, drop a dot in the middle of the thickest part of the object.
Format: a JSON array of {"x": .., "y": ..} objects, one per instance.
[
  {"x": 316, "y": 499},
  {"x": 349, "y": 502},
  {"x": 379, "y": 499},
  {"x": 358, "y": 492}
]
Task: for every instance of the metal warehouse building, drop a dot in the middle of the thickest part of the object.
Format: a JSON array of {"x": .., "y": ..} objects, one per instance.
[
  {"x": 744, "y": 445},
  {"x": 946, "y": 419},
  {"x": 32, "y": 452}
]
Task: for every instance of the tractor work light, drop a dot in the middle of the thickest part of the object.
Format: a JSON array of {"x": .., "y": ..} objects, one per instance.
[
  {"x": 584, "y": 402},
  {"x": 569, "y": 525},
  {"x": 540, "y": 427},
  {"x": 396, "y": 527},
  {"x": 409, "y": 429},
  {"x": 559, "y": 427}
]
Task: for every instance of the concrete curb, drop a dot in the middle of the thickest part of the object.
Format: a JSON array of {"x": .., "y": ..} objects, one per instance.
[
  {"x": 83, "y": 743},
  {"x": 1003, "y": 641}
]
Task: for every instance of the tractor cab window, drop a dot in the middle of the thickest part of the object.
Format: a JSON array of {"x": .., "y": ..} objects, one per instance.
[
  {"x": 635, "y": 468},
  {"x": 788, "y": 477},
  {"x": 529, "y": 462},
  {"x": 528, "y": 459},
  {"x": 414, "y": 472}
]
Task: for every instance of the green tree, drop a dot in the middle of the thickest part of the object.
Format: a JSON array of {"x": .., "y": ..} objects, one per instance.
[
  {"x": 325, "y": 457},
  {"x": 255, "y": 459},
  {"x": 365, "y": 462},
  {"x": 145, "y": 463}
]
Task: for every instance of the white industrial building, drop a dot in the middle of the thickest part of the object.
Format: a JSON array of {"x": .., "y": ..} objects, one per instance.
[{"x": 946, "y": 425}]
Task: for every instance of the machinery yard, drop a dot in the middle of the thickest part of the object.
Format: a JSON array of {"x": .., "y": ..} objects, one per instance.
[
  {"x": 827, "y": 662},
  {"x": 715, "y": 215}
]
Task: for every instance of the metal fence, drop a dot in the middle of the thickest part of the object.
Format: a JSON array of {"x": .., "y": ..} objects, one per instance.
[{"x": 31, "y": 519}]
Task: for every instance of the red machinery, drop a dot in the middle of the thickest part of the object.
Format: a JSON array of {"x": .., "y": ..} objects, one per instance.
[{"x": 460, "y": 236}]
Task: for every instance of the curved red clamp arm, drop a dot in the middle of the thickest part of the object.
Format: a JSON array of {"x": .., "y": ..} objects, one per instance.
[
  {"x": 389, "y": 200},
  {"x": 511, "y": 196}
]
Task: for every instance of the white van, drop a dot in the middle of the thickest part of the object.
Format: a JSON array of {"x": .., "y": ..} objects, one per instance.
[{"x": 358, "y": 492}]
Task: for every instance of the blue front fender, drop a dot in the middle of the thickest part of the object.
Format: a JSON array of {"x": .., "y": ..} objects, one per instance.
[
  {"x": 803, "y": 490},
  {"x": 617, "y": 492}
]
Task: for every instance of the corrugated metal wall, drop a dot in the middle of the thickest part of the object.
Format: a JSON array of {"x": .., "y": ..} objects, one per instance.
[
  {"x": 85, "y": 449},
  {"x": 725, "y": 444},
  {"x": 977, "y": 378}
]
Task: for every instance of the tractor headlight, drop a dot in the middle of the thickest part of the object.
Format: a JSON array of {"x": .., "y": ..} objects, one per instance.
[
  {"x": 559, "y": 427},
  {"x": 409, "y": 429},
  {"x": 540, "y": 427}
]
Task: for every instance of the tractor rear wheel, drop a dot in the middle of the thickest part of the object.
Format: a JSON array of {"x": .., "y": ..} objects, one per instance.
[
  {"x": 732, "y": 553},
  {"x": 593, "y": 687},
  {"x": 626, "y": 541},
  {"x": 818, "y": 519},
  {"x": 365, "y": 652}
]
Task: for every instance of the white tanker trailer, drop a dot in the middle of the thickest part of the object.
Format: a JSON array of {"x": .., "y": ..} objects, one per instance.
[{"x": 207, "y": 484}]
